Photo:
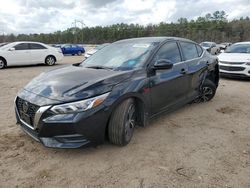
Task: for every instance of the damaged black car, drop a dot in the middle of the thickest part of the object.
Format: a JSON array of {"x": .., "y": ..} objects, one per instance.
[{"x": 114, "y": 90}]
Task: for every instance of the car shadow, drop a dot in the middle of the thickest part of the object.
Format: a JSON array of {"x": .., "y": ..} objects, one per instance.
[
  {"x": 235, "y": 78},
  {"x": 30, "y": 66}
]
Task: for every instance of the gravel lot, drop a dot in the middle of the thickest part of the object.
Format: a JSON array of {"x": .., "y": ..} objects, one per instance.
[{"x": 199, "y": 145}]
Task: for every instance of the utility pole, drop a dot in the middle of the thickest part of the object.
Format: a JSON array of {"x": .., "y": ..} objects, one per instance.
[{"x": 82, "y": 24}]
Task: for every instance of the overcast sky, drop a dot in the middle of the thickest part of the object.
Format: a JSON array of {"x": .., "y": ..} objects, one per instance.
[{"x": 44, "y": 16}]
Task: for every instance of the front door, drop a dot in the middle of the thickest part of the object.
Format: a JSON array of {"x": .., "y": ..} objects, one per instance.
[
  {"x": 20, "y": 55},
  {"x": 168, "y": 87}
]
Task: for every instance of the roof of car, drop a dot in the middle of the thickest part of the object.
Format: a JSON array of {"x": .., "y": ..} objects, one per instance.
[
  {"x": 246, "y": 42},
  {"x": 153, "y": 39},
  {"x": 207, "y": 42}
]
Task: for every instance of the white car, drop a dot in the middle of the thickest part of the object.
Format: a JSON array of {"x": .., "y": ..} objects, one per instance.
[
  {"x": 211, "y": 47},
  {"x": 28, "y": 53},
  {"x": 94, "y": 50},
  {"x": 235, "y": 61}
]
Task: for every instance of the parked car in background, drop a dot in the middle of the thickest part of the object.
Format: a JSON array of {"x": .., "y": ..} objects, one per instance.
[
  {"x": 120, "y": 87},
  {"x": 72, "y": 49},
  {"x": 211, "y": 47},
  {"x": 223, "y": 46},
  {"x": 28, "y": 53},
  {"x": 94, "y": 50},
  {"x": 235, "y": 61},
  {"x": 56, "y": 45}
]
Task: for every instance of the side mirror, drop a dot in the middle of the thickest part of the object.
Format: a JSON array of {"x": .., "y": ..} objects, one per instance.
[
  {"x": 12, "y": 49},
  {"x": 163, "y": 64}
]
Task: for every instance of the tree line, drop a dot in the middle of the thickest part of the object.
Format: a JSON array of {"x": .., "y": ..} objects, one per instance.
[{"x": 212, "y": 27}]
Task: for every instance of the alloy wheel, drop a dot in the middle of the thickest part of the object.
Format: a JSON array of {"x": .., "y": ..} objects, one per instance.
[
  {"x": 207, "y": 94},
  {"x": 130, "y": 123},
  {"x": 2, "y": 64},
  {"x": 50, "y": 61}
]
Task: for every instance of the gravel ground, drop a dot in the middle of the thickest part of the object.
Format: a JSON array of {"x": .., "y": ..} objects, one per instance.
[{"x": 199, "y": 145}]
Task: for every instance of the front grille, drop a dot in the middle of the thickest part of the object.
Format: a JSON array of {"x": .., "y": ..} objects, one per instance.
[
  {"x": 26, "y": 111},
  {"x": 231, "y": 68},
  {"x": 232, "y": 63}
]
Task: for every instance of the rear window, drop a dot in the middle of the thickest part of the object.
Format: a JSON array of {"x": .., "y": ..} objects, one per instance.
[
  {"x": 189, "y": 50},
  {"x": 34, "y": 46}
]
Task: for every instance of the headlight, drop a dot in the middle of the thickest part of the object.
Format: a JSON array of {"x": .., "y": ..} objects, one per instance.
[{"x": 79, "y": 106}]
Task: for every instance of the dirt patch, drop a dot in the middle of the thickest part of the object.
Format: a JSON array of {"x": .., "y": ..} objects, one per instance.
[{"x": 226, "y": 110}]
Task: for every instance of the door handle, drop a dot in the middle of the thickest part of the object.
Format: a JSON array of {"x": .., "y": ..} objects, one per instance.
[{"x": 183, "y": 71}]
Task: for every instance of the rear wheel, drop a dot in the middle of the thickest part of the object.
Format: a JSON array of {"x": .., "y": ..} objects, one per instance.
[
  {"x": 50, "y": 60},
  {"x": 2, "y": 63},
  {"x": 122, "y": 123},
  {"x": 208, "y": 91}
]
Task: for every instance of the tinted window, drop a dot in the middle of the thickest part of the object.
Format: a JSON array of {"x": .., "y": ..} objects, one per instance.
[
  {"x": 22, "y": 46},
  {"x": 67, "y": 46},
  {"x": 189, "y": 50},
  {"x": 199, "y": 50},
  {"x": 169, "y": 51},
  {"x": 34, "y": 46}
]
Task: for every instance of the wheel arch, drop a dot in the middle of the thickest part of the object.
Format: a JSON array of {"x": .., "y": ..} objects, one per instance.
[
  {"x": 213, "y": 75},
  {"x": 142, "y": 109},
  {"x": 50, "y": 56},
  {"x": 1, "y": 57}
]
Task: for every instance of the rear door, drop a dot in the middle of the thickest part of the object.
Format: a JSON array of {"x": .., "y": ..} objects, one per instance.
[
  {"x": 192, "y": 54},
  {"x": 19, "y": 56},
  {"x": 38, "y": 53},
  {"x": 168, "y": 87}
]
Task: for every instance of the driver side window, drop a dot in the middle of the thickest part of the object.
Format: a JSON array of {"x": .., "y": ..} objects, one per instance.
[
  {"x": 22, "y": 46},
  {"x": 168, "y": 51}
]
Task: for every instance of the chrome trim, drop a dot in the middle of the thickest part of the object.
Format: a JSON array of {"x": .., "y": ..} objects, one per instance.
[{"x": 38, "y": 115}]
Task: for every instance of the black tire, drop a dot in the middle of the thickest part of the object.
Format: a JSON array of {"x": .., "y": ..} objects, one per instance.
[
  {"x": 208, "y": 90},
  {"x": 122, "y": 123},
  {"x": 50, "y": 60},
  {"x": 3, "y": 63},
  {"x": 79, "y": 53}
]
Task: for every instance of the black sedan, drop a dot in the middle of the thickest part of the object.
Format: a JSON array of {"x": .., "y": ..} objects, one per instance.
[{"x": 116, "y": 89}]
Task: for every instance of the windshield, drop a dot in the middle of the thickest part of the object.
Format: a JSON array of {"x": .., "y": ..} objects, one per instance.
[
  {"x": 6, "y": 46},
  {"x": 205, "y": 44},
  {"x": 3, "y": 44},
  {"x": 238, "y": 48},
  {"x": 120, "y": 56}
]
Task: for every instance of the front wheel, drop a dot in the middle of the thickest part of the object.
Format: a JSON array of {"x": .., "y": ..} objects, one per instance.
[
  {"x": 79, "y": 53},
  {"x": 50, "y": 60},
  {"x": 122, "y": 123},
  {"x": 208, "y": 90},
  {"x": 2, "y": 63}
]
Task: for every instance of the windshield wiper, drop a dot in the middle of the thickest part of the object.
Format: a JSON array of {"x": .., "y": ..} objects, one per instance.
[{"x": 99, "y": 67}]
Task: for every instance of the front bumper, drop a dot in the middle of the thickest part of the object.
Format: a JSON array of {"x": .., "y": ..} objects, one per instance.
[
  {"x": 235, "y": 70},
  {"x": 78, "y": 130}
]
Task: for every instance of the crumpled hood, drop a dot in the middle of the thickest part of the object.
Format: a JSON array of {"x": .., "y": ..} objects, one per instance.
[
  {"x": 75, "y": 83},
  {"x": 234, "y": 57}
]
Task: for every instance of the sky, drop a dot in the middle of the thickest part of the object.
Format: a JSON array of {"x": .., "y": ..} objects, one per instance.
[{"x": 46, "y": 16}]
